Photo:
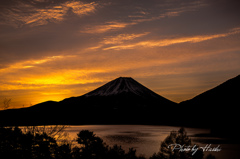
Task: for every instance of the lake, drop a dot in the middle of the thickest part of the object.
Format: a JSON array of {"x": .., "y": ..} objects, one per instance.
[{"x": 146, "y": 139}]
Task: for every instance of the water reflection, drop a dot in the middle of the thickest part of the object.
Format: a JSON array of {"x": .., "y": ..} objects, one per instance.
[{"x": 144, "y": 138}]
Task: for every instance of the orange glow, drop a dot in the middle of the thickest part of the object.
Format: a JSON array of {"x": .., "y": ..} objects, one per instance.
[
  {"x": 63, "y": 77},
  {"x": 66, "y": 77},
  {"x": 32, "y": 63}
]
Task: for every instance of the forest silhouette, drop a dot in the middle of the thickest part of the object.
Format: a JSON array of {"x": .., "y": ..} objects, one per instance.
[{"x": 16, "y": 144}]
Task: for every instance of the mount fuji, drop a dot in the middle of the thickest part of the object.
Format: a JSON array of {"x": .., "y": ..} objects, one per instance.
[
  {"x": 121, "y": 101},
  {"x": 125, "y": 101},
  {"x": 123, "y": 85},
  {"x": 123, "y": 92}
]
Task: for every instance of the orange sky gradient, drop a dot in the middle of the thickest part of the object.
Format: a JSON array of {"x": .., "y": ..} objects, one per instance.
[{"x": 51, "y": 50}]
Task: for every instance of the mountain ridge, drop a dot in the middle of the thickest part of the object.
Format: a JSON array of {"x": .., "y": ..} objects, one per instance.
[
  {"x": 228, "y": 86},
  {"x": 217, "y": 108},
  {"x": 123, "y": 100}
]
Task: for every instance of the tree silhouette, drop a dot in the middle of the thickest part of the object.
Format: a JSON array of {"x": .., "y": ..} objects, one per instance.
[
  {"x": 6, "y": 103},
  {"x": 92, "y": 147},
  {"x": 55, "y": 131},
  {"x": 176, "y": 137},
  {"x": 64, "y": 152},
  {"x": 116, "y": 152},
  {"x": 16, "y": 144}
]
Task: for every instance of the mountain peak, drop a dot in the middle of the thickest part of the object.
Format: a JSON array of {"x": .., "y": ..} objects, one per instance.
[
  {"x": 124, "y": 78},
  {"x": 122, "y": 85}
]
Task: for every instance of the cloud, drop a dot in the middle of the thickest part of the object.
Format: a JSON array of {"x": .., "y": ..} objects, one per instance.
[
  {"x": 32, "y": 63},
  {"x": 168, "y": 42},
  {"x": 135, "y": 18},
  {"x": 121, "y": 38},
  {"x": 25, "y": 13},
  {"x": 171, "y": 11},
  {"x": 80, "y": 8},
  {"x": 108, "y": 26}
]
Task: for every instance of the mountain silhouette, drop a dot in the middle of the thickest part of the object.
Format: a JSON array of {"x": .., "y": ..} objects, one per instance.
[
  {"x": 121, "y": 93},
  {"x": 226, "y": 93},
  {"x": 123, "y": 85},
  {"x": 125, "y": 101},
  {"x": 216, "y": 108},
  {"x": 121, "y": 101}
]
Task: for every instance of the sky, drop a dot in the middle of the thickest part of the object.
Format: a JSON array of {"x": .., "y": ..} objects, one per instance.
[{"x": 55, "y": 49}]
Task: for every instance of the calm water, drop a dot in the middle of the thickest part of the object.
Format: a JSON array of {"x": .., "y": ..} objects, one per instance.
[{"x": 146, "y": 139}]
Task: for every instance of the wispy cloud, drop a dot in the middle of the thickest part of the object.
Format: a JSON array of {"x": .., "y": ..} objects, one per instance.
[
  {"x": 32, "y": 63},
  {"x": 140, "y": 17},
  {"x": 25, "y": 13},
  {"x": 168, "y": 13},
  {"x": 39, "y": 73},
  {"x": 108, "y": 26},
  {"x": 168, "y": 42},
  {"x": 80, "y": 8},
  {"x": 121, "y": 38}
]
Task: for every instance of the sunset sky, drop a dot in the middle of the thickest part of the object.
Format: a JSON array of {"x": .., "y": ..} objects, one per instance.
[{"x": 55, "y": 49}]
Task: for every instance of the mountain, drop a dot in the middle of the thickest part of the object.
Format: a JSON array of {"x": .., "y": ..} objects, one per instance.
[
  {"x": 121, "y": 93},
  {"x": 123, "y": 85},
  {"x": 217, "y": 108},
  {"x": 121, "y": 101},
  {"x": 125, "y": 101},
  {"x": 225, "y": 94}
]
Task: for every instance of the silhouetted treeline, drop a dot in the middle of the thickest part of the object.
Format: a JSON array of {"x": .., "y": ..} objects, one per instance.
[{"x": 14, "y": 144}]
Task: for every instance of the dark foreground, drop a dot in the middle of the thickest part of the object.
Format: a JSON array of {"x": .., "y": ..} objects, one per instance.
[{"x": 35, "y": 144}]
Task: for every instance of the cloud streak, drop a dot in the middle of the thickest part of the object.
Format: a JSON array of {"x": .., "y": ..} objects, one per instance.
[
  {"x": 24, "y": 13},
  {"x": 32, "y": 63},
  {"x": 119, "y": 39},
  {"x": 168, "y": 42},
  {"x": 108, "y": 26},
  {"x": 143, "y": 17}
]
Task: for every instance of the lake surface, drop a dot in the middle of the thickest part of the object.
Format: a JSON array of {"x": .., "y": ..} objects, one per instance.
[{"x": 147, "y": 139}]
